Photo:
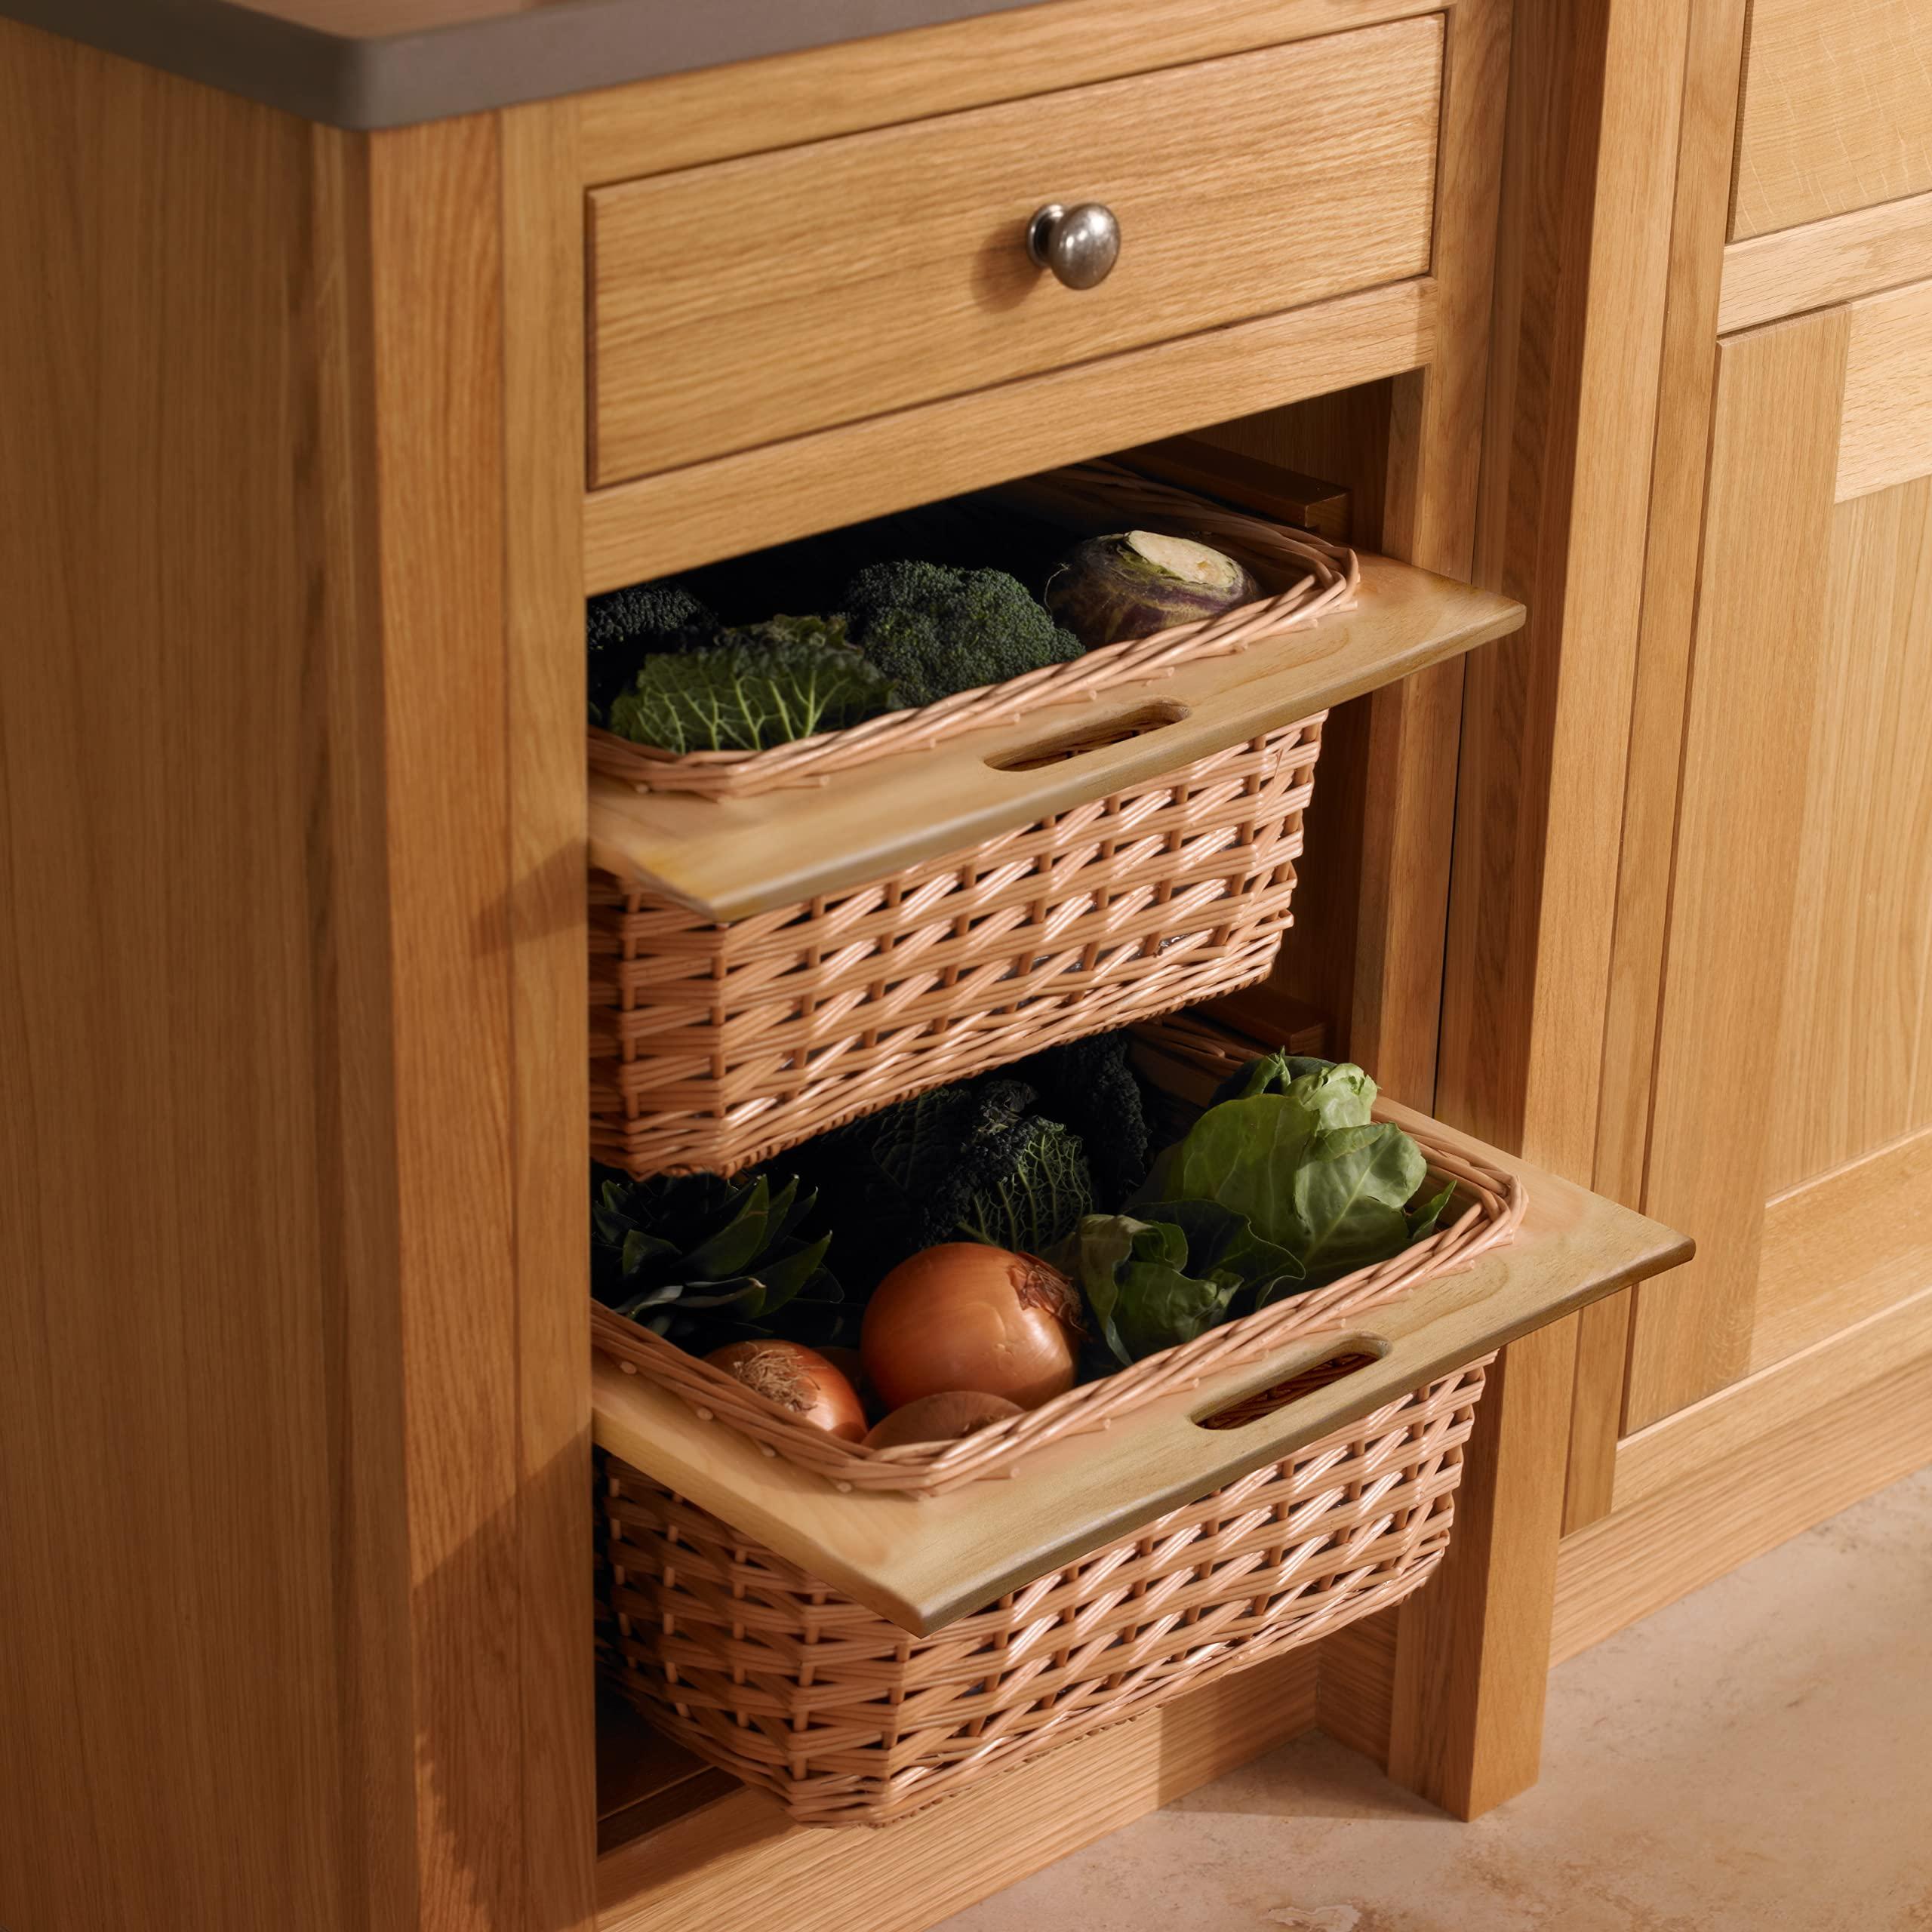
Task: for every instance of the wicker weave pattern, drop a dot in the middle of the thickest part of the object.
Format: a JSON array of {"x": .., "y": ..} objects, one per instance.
[
  {"x": 1491, "y": 1205},
  {"x": 847, "y": 1719},
  {"x": 1311, "y": 577},
  {"x": 715, "y": 1046}
]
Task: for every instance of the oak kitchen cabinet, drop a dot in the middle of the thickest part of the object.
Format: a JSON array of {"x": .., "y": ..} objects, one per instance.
[
  {"x": 1765, "y": 1068},
  {"x": 359, "y": 342}
]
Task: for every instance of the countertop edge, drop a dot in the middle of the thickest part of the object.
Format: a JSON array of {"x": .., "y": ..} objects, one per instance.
[{"x": 364, "y": 84}]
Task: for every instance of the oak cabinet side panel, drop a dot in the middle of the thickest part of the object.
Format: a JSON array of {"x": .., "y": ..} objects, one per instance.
[{"x": 205, "y": 1716}]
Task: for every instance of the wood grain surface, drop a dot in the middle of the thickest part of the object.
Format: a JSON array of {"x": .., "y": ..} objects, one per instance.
[
  {"x": 1835, "y": 1372},
  {"x": 1747, "y": 738},
  {"x": 543, "y": 524},
  {"x": 734, "y": 305},
  {"x": 1465, "y": 1728},
  {"x": 1596, "y": 95},
  {"x": 714, "y": 113},
  {"x": 203, "y": 1414},
  {"x": 1776, "y": 1486},
  {"x": 735, "y": 856},
  {"x": 1886, "y": 435},
  {"x": 923, "y": 1561},
  {"x": 1855, "y": 1039},
  {"x": 1673, "y": 535},
  {"x": 1354, "y": 1694},
  {"x": 1843, "y": 1247},
  {"x": 1687, "y": 381},
  {"x": 1414, "y": 730},
  {"x": 733, "y": 503},
  {"x": 1344, "y": 436},
  {"x": 698, "y": 1873},
  {"x": 307, "y": 1382},
  {"x": 1836, "y": 259},
  {"x": 1834, "y": 113}
]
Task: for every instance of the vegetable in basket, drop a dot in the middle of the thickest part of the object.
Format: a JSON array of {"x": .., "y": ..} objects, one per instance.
[
  {"x": 1090, "y": 1086},
  {"x": 621, "y": 626},
  {"x": 950, "y": 1417},
  {"x": 748, "y": 689},
  {"x": 1137, "y": 582},
  {"x": 964, "y": 1316},
  {"x": 934, "y": 630},
  {"x": 703, "y": 1261},
  {"x": 975, "y": 1161},
  {"x": 798, "y": 1380},
  {"x": 1285, "y": 1183}
]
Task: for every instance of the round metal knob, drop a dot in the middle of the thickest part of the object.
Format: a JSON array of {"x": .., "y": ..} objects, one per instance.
[{"x": 1080, "y": 244}]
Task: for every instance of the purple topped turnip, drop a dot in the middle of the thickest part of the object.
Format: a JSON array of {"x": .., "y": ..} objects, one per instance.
[{"x": 1109, "y": 589}]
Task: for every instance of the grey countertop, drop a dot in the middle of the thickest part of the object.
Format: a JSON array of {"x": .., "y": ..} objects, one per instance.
[{"x": 385, "y": 63}]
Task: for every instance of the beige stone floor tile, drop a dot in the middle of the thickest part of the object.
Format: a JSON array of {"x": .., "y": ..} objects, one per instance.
[{"x": 1757, "y": 1758}]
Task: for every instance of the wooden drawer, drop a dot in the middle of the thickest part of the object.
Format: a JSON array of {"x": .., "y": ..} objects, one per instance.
[
  {"x": 1837, "y": 110},
  {"x": 921, "y": 1561},
  {"x": 738, "y": 304}
]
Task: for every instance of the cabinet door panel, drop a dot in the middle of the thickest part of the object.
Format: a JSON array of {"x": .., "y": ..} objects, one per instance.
[
  {"x": 1773, "y": 461},
  {"x": 1837, "y": 109},
  {"x": 1856, "y": 1038},
  {"x": 1795, "y": 1040}
]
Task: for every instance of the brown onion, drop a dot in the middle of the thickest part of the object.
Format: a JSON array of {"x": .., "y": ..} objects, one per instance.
[
  {"x": 964, "y": 1315},
  {"x": 846, "y": 1361},
  {"x": 950, "y": 1417},
  {"x": 798, "y": 1378}
]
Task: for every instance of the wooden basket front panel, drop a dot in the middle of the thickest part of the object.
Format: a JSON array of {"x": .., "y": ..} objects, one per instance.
[
  {"x": 716, "y": 1046},
  {"x": 849, "y": 1719}
]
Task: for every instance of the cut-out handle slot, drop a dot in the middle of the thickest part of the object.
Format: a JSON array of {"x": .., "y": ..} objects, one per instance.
[
  {"x": 1357, "y": 1351},
  {"x": 1094, "y": 737}
]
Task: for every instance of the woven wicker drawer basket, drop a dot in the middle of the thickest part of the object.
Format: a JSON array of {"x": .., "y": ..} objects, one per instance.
[
  {"x": 1488, "y": 1209},
  {"x": 1302, "y": 578},
  {"x": 849, "y": 1719},
  {"x": 714, "y": 1046}
]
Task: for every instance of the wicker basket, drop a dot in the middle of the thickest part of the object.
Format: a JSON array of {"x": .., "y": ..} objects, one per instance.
[
  {"x": 847, "y": 1719},
  {"x": 716, "y": 1046},
  {"x": 1305, "y": 576},
  {"x": 1489, "y": 1206}
]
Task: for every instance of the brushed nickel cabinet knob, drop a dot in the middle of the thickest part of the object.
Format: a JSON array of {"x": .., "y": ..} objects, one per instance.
[{"x": 1080, "y": 244}]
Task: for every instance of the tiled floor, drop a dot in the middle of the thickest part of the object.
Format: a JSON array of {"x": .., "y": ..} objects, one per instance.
[{"x": 1756, "y": 1758}]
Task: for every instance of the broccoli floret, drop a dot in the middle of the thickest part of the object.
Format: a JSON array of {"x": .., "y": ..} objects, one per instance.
[
  {"x": 775, "y": 633},
  {"x": 624, "y": 626},
  {"x": 934, "y": 630}
]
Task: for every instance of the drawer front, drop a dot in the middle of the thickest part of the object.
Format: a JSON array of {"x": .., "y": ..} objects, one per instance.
[
  {"x": 1837, "y": 109},
  {"x": 738, "y": 304}
]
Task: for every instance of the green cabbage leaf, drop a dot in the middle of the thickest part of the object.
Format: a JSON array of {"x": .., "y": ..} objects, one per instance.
[{"x": 1285, "y": 1183}]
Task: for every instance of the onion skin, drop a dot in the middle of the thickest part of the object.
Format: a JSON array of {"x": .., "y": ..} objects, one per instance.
[
  {"x": 950, "y": 1417},
  {"x": 965, "y": 1316},
  {"x": 798, "y": 1380},
  {"x": 846, "y": 1361}
]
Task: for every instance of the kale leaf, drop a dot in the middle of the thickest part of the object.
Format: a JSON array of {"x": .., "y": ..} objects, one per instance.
[
  {"x": 1089, "y": 1085},
  {"x": 973, "y": 1162},
  {"x": 748, "y": 689}
]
